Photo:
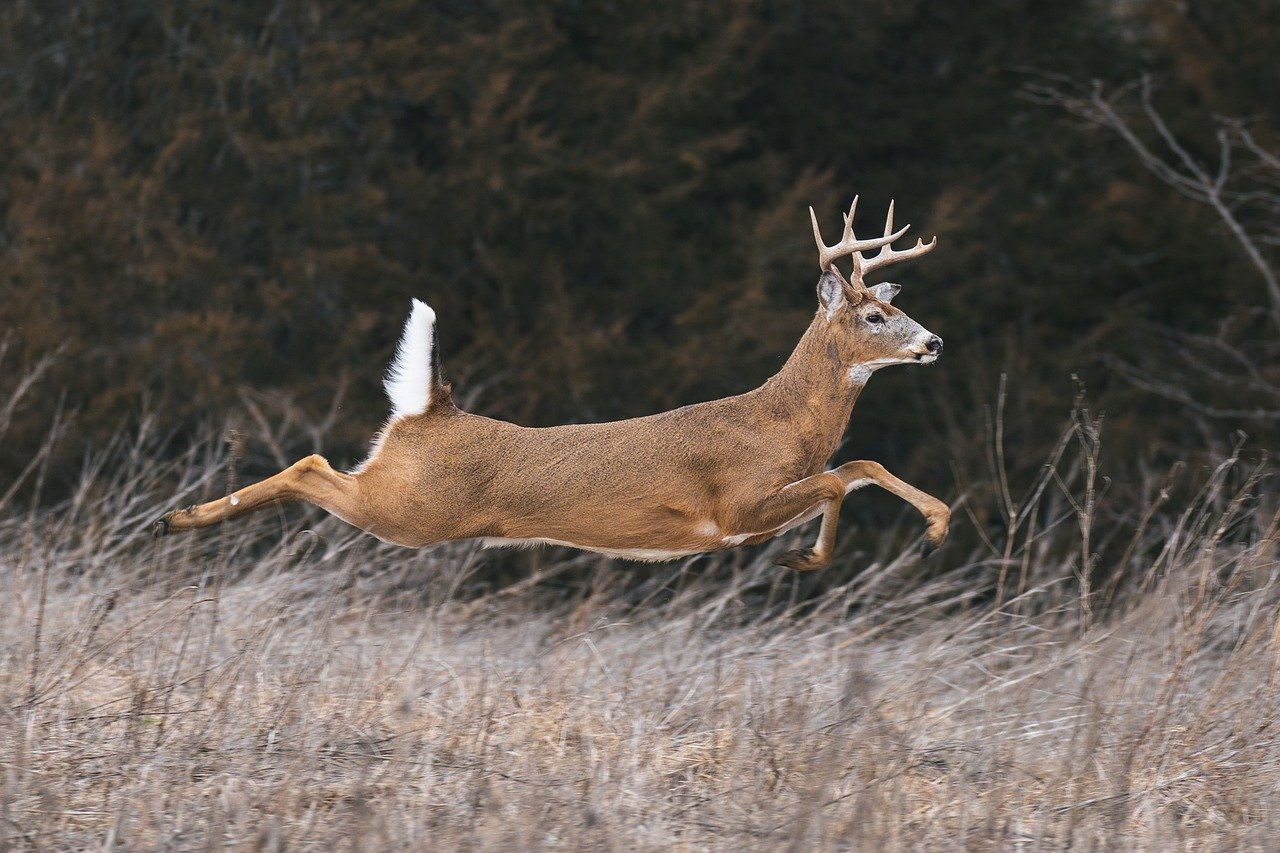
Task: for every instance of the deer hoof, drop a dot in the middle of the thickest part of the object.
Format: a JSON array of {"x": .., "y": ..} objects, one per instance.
[
  {"x": 801, "y": 560},
  {"x": 160, "y": 528},
  {"x": 935, "y": 534}
]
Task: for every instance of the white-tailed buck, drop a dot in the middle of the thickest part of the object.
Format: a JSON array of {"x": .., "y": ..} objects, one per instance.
[{"x": 715, "y": 475}]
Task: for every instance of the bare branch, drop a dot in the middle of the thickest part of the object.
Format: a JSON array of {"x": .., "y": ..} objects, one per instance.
[
  {"x": 1257, "y": 150},
  {"x": 1155, "y": 385},
  {"x": 1224, "y": 161},
  {"x": 1157, "y": 121},
  {"x": 1182, "y": 171}
]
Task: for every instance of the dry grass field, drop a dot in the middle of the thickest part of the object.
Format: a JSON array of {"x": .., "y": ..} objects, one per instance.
[{"x": 263, "y": 687}]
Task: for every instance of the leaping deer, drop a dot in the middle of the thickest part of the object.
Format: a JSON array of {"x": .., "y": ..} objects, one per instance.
[{"x": 705, "y": 477}]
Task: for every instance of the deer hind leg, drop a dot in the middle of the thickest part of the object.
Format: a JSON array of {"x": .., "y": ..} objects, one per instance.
[{"x": 309, "y": 479}]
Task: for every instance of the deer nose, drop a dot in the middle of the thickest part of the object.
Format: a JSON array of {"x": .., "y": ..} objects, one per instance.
[{"x": 935, "y": 345}]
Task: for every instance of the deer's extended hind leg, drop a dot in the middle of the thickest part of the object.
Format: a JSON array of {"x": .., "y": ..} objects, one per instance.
[
  {"x": 309, "y": 479},
  {"x": 830, "y": 487}
]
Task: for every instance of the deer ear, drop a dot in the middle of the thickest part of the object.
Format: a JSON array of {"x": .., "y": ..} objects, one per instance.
[
  {"x": 885, "y": 292},
  {"x": 831, "y": 292}
]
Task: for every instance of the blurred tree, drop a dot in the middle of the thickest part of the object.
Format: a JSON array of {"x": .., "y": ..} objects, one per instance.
[{"x": 605, "y": 203}]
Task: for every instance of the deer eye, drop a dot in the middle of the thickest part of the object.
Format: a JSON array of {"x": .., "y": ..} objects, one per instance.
[{"x": 875, "y": 317}]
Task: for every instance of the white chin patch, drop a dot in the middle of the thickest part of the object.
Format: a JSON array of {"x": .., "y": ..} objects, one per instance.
[{"x": 860, "y": 373}]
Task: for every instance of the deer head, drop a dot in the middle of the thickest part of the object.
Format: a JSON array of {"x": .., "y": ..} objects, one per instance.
[{"x": 864, "y": 329}]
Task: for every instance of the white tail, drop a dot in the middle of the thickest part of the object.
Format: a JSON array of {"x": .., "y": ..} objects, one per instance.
[{"x": 409, "y": 382}]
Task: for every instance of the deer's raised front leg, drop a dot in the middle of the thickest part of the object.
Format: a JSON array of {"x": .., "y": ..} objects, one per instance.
[
  {"x": 937, "y": 515},
  {"x": 829, "y": 488},
  {"x": 309, "y": 479}
]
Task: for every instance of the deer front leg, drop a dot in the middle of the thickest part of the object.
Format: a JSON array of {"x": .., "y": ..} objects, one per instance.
[
  {"x": 937, "y": 515},
  {"x": 309, "y": 479},
  {"x": 794, "y": 501},
  {"x": 830, "y": 487}
]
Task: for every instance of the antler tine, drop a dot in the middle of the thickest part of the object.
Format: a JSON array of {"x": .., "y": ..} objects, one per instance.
[
  {"x": 847, "y": 235},
  {"x": 888, "y": 255},
  {"x": 849, "y": 244},
  {"x": 817, "y": 238}
]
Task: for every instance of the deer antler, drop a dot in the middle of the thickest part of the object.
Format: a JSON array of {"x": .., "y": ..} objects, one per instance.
[
  {"x": 887, "y": 254},
  {"x": 848, "y": 245},
  {"x": 853, "y": 247}
]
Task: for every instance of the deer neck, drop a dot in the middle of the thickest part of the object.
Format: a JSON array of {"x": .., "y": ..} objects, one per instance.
[{"x": 815, "y": 391}]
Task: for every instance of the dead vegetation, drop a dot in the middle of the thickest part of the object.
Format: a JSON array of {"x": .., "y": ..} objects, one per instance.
[{"x": 277, "y": 685}]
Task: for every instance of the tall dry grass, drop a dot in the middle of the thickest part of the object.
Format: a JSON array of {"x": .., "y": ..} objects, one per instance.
[{"x": 286, "y": 682}]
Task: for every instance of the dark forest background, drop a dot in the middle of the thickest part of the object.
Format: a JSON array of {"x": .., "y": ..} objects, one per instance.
[{"x": 207, "y": 207}]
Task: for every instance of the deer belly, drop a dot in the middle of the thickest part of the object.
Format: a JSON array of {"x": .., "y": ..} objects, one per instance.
[
  {"x": 764, "y": 535},
  {"x": 665, "y": 542},
  {"x": 648, "y": 555}
]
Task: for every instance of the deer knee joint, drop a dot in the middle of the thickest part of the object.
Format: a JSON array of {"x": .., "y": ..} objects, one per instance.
[{"x": 314, "y": 462}]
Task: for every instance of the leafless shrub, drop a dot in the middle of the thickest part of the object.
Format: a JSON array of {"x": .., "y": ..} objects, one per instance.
[{"x": 1229, "y": 372}]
